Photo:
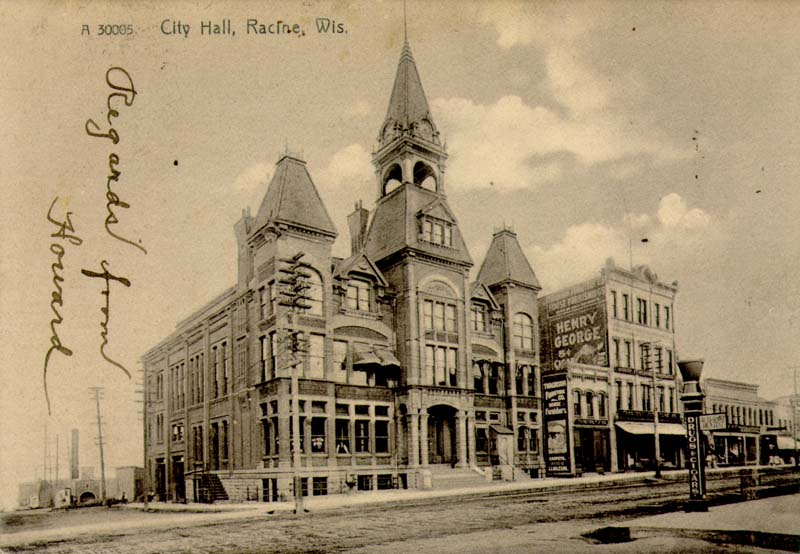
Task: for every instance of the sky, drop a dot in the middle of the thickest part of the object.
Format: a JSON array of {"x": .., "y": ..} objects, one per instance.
[{"x": 585, "y": 126}]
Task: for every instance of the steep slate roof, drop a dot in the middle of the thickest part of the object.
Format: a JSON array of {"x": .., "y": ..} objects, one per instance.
[
  {"x": 395, "y": 226},
  {"x": 292, "y": 198},
  {"x": 408, "y": 103},
  {"x": 505, "y": 261}
]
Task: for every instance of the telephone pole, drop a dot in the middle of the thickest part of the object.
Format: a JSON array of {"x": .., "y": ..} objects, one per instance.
[
  {"x": 97, "y": 396},
  {"x": 295, "y": 297}
]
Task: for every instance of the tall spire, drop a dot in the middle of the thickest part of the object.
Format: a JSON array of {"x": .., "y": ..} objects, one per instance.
[
  {"x": 408, "y": 112},
  {"x": 405, "y": 23}
]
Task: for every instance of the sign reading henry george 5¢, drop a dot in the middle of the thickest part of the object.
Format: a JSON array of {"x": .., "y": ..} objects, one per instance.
[{"x": 711, "y": 422}]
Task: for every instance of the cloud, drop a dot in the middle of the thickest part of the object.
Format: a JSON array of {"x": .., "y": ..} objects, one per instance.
[
  {"x": 673, "y": 233},
  {"x": 673, "y": 212},
  {"x": 349, "y": 166},
  {"x": 512, "y": 144},
  {"x": 254, "y": 178}
]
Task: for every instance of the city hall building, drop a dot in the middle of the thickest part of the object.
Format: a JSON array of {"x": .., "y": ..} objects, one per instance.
[
  {"x": 409, "y": 373},
  {"x": 608, "y": 371}
]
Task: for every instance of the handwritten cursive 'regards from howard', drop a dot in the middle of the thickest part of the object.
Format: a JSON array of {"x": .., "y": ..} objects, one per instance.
[
  {"x": 65, "y": 231},
  {"x": 122, "y": 88}
]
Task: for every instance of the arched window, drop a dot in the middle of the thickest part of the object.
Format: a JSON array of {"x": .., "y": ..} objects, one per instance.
[
  {"x": 424, "y": 176},
  {"x": 589, "y": 404},
  {"x": 392, "y": 179},
  {"x": 523, "y": 331},
  {"x": 315, "y": 294},
  {"x": 576, "y": 401},
  {"x": 601, "y": 404}
]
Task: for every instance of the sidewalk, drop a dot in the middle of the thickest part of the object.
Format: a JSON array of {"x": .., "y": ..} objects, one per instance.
[{"x": 773, "y": 522}]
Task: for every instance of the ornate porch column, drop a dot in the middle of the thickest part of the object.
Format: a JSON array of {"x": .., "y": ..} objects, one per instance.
[
  {"x": 471, "y": 434},
  {"x": 461, "y": 429},
  {"x": 423, "y": 436},
  {"x": 413, "y": 444}
]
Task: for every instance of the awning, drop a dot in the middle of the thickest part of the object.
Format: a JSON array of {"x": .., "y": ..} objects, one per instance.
[
  {"x": 645, "y": 428},
  {"x": 501, "y": 430},
  {"x": 387, "y": 357},
  {"x": 363, "y": 356},
  {"x": 786, "y": 443}
]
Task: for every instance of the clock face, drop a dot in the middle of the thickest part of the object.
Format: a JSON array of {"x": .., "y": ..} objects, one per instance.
[{"x": 426, "y": 129}]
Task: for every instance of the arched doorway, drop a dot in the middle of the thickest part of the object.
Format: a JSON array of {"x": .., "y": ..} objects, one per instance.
[
  {"x": 87, "y": 497},
  {"x": 442, "y": 435}
]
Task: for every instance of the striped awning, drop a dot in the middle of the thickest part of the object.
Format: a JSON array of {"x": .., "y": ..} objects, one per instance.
[
  {"x": 387, "y": 358},
  {"x": 363, "y": 356}
]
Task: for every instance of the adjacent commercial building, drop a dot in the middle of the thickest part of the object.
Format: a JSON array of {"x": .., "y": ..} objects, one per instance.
[
  {"x": 406, "y": 365},
  {"x": 609, "y": 370}
]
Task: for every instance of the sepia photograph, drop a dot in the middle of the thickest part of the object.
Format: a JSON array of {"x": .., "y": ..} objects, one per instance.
[{"x": 395, "y": 276}]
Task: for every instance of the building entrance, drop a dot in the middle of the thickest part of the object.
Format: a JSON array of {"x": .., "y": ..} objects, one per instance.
[{"x": 442, "y": 435}]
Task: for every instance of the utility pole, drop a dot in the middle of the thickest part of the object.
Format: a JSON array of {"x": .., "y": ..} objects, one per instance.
[
  {"x": 145, "y": 404},
  {"x": 657, "y": 445},
  {"x": 97, "y": 395},
  {"x": 295, "y": 297}
]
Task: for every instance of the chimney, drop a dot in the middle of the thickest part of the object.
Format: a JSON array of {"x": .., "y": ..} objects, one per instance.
[
  {"x": 73, "y": 456},
  {"x": 242, "y": 229},
  {"x": 357, "y": 222}
]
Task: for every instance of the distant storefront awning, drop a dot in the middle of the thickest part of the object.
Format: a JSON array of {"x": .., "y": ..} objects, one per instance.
[
  {"x": 363, "y": 356},
  {"x": 645, "y": 428},
  {"x": 387, "y": 358},
  {"x": 786, "y": 443},
  {"x": 501, "y": 430}
]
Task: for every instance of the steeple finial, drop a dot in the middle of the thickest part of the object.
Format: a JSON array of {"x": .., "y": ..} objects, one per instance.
[{"x": 405, "y": 23}]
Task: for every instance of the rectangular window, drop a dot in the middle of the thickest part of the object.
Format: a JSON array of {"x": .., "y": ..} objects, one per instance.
[
  {"x": 385, "y": 482},
  {"x": 215, "y": 357},
  {"x": 318, "y": 434},
  {"x": 320, "y": 486},
  {"x": 626, "y": 307},
  {"x": 646, "y": 391},
  {"x": 661, "y": 403},
  {"x": 617, "y": 353},
  {"x": 450, "y": 319},
  {"x": 660, "y": 359},
  {"x": 531, "y": 381},
  {"x": 339, "y": 361},
  {"x": 365, "y": 482},
  {"x": 614, "y": 312},
  {"x": 448, "y": 236},
  {"x": 671, "y": 396},
  {"x": 452, "y": 366},
  {"x": 618, "y": 391},
  {"x": 224, "y": 440},
  {"x": 273, "y": 354},
  {"x": 641, "y": 311},
  {"x": 438, "y": 316},
  {"x": 644, "y": 356},
  {"x": 440, "y": 368},
  {"x": 343, "y": 436},
  {"x": 269, "y": 490},
  {"x": 438, "y": 233},
  {"x": 225, "y": 369},
  {"x": 362, "y": 435},
  {"x": 273, "y": 297},
  {"x": 381, "y": 436},
  {"x": 628, "y": 353},
  {"x": 481, "y": 440},
  {"x": 669, "y": 362},
  {"x": 666, "y": 317},
  {"x": 263, "y": 300},
  {"x": 316, "y": 357},
  {"x": 357, "y": 295},
  {"x": 630, "y": 396},
  {"x": 264, "y": 355},
  {"x": 533, "y": 440},
  {"x": 427, "y": 310},
  {"x": 494, "y": 379},
  {"x": 427, "y": 230},
  {"x": 522, "y": 439},
  {"x": 479, "y": 318},
  {"x": 656, "y": 314}
]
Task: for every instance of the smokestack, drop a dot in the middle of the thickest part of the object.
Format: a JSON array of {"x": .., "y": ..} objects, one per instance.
[
  {"x": 357, "y": 222},
  {"x": 73, "y": 456}
]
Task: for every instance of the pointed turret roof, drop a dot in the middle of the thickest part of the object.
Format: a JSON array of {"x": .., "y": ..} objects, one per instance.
[
  {"x": 408, "y": 106},
  {"x": 505, "y": 262},
  {"x": 292, "y": 199}
]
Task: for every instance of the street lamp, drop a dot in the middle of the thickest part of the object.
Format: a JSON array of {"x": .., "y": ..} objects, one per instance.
[{"x": 692, "y": 398}]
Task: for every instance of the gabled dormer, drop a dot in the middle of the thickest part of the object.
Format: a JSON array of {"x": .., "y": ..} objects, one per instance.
[
  {"x": 483, "y": 307},
  {"x": 360, "y": 283}
]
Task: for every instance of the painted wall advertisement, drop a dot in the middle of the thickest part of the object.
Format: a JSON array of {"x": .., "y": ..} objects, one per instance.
[
  {"x": 576, "y": 329},
  {"x": 556, "y": 418}
]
